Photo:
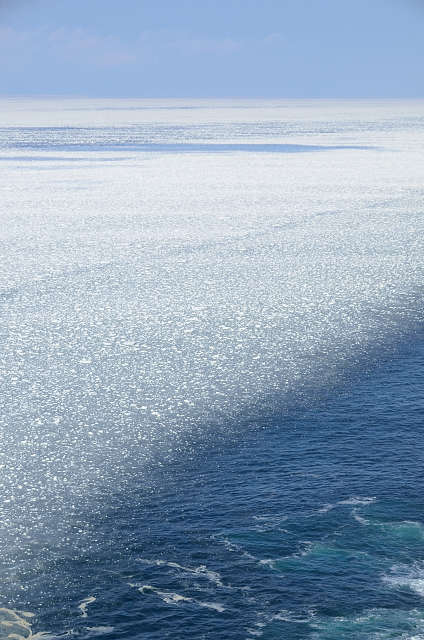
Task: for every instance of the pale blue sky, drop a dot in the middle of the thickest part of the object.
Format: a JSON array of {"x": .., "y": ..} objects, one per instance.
[{"x": 231, "y": 48}]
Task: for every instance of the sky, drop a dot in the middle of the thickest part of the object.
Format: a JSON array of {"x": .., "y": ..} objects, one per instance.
[{"x": 213, "y": 48}]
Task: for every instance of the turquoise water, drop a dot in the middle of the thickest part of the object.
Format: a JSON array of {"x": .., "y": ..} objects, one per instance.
[{"x": 212, "y": 370}]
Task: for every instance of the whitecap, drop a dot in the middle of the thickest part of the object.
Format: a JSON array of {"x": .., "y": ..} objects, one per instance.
[
  {"x": 360, "y": 519},
  {"x": 212, "y": 605},
  {"x": 291, "y": 616},
  {"x": 357, "y": 500},
  {"x": 268, "y": 563},
  {"x": 412, "y": 578},
  {"x": 325, "y": 508},
  {"x": 98, "y": 631}
]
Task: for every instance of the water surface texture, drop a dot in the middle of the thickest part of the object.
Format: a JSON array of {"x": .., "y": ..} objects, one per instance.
[{"x": 211, "y": 369}]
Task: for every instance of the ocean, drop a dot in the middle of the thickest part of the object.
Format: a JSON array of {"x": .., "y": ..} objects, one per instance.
[{"x": 211, "y": 369}]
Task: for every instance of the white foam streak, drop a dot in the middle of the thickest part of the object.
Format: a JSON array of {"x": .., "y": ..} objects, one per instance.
[
  {"x": 291, "y": 616},
  {"x": 410, "y": 577},
  {"x": 15, "y": 622},
  {"x": 170, "y": 597},
  {"x": 360, "y": 519},
  {"x": 359, "y": 501},
  {"x": 202, "y": 571},
  {"x": 84, "y": 604},
  {"x": 375, "y": 624}
]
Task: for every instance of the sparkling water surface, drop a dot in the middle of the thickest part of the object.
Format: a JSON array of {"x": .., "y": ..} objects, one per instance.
[{"x": 211, "y": 369}]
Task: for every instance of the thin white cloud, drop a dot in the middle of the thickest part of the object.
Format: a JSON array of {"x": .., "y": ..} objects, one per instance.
[
  {"x": 87, "y": 46},
  {"x": 274, "y": 39},
  {"x": 20, "y": 46},
  {"x": 182, "y": 43}
]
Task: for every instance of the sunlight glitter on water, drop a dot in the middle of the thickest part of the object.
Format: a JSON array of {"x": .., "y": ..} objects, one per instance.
[{"x": 158, "y": 297}]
